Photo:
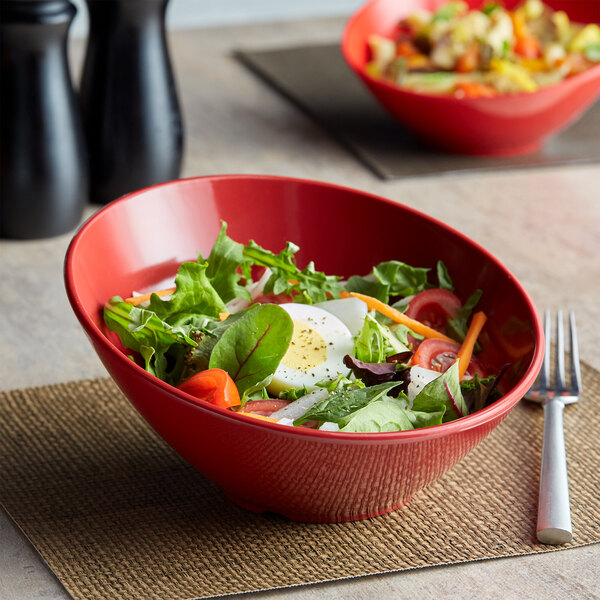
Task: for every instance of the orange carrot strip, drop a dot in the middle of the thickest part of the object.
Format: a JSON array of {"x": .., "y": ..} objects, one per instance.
[
  {"x": 466, "y": 350},
  {"x": 223, "y": 316},
  {"x": 399, "y": 317},
  {"x": 135, "y": 300}
]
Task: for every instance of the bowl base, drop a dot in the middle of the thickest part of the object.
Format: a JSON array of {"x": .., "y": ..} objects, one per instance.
[{"x": 300, "y": 517}]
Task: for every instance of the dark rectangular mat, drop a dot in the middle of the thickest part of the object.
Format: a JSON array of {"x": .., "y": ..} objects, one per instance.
[{"x": 318, "y": 81}]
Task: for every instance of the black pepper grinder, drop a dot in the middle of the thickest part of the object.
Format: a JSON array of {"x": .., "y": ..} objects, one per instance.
[
  {"x": 43, "y": 166},
  {"x": 131, "y": 113}
]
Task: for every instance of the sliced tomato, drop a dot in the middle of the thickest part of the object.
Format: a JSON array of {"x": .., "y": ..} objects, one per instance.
[
  {"x": 439, "y": 355},
  {"x": 434, "y": 308},
  {"x": 214, "y": 386},
  {"x": 274, "y": 299},
  {"x": 264, "y": 407}
]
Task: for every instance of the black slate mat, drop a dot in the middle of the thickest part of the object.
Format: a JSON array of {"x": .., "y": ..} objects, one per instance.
[{"x": 318, "y": 81}]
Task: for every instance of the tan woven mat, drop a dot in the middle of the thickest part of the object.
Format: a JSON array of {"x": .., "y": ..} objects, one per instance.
[{"x": 116, "y": 514}]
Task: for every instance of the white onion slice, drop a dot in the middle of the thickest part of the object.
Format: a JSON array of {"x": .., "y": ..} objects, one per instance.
[
  {"x": 298, "y": 408},
  {"x": 419, "y": 378}
]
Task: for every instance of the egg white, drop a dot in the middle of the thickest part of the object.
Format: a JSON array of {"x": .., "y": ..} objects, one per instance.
[
  {"x": 316, "y": 351},
  {"x": 351, "y": 311}
]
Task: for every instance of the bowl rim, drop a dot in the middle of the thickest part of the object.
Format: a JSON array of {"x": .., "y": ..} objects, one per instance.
[
  {"x": 573, "y": 81},
  {"x": 488, "y": 414}
]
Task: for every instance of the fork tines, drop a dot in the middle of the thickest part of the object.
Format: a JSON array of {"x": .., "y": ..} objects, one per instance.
[{"x": 573, "y": 388}]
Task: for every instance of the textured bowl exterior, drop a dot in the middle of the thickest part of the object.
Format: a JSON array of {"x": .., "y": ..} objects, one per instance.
[
  {"x": 505, "y": 125},
  {"x": 139, "y": 240}
]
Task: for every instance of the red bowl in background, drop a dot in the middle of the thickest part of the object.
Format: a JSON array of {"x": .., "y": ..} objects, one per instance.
[
  {"x": 505, "y": 125},
  {"x": 136, "y": 242}
]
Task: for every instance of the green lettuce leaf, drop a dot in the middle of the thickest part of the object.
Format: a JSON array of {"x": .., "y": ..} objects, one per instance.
[
  {"x": 376, "y": 341},
  {"x": 341, "y": 404},
  {"x": 390, "y": 278},
  {"x": 387, "y": 414},
  {"x": 223, "y": 262},
  {"x": 443, "y": 393},
  {"x": 193, "y": 296}
]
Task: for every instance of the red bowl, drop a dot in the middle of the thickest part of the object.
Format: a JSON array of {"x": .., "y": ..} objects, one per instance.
[
  {"x": 506, "y": 125},
  {"x": 139, "y": 240}
]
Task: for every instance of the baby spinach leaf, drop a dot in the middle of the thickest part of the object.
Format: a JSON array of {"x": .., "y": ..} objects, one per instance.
[{"x": 252, "y": 347}]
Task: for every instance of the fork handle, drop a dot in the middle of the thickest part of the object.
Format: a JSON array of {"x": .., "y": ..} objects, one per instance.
[{"x": 554, "y": 512}]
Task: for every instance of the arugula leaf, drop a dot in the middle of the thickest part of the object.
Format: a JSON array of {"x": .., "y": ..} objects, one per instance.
[
  {"x": 340, "y": 404},
  {"x": 194, "y": 295},
  {"x": 443, "y": 392},
  {"x": 226, "y": 256},
  {"x": 457, "y": 326},
  {"x": 444, "y": 279},
  {"x": 308, "y": 285},
  {"x": 141, "y": 330},
  {"x": 252, "y": 347}
]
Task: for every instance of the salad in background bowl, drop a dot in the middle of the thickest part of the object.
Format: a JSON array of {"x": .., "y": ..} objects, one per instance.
[
  {"x": 140, "y": 241},
  {"x": 479, "y": 77}
]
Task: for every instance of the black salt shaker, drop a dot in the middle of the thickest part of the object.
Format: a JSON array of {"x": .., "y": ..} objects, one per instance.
[
  {"x": 43, "y": 166},
  {"x": 131, "y": 113}
]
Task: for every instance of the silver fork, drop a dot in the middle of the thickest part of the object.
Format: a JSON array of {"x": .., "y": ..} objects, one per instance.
[{"x": 554, "y": 513}]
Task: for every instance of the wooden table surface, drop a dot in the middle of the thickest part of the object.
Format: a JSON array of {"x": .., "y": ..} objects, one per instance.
[{"x": 543, "y": 224}]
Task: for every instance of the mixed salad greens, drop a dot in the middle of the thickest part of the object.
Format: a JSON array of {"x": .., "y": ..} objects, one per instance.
[
  {"x": 248, "y": 330},
  {"x": 482, "y": 53}
]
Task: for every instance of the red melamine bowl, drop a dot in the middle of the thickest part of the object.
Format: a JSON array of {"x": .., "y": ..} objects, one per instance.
[
  {"x": 139, "y": 240},
  {"x": 505, "y": 125}
]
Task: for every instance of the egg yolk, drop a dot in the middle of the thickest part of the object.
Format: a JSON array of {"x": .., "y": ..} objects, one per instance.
[{"x": 307, "y": 348}]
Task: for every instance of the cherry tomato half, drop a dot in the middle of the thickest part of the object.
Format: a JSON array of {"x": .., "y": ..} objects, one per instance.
[
  {"x": 214, "y": 386},
  {"x": 434, "y": 307},
  {"x": 439, "y": 355}
]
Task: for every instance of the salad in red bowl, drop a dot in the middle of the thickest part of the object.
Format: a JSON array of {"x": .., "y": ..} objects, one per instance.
[{"x": 247, "y": 330}]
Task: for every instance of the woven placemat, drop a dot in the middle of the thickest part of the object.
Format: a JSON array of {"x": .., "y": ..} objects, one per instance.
[
  {"x": 117, "y": 514},
  {"x": 318, "y": 81}
]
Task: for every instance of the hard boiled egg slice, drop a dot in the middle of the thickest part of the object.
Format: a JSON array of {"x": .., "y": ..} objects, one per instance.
[
  {"x": 316, "y": 351},
  {"x": 351, "y": 311}
]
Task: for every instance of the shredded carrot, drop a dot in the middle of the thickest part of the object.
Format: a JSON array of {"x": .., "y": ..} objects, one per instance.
[
  {"x": 135, "y": 300},
  {"x": 466, "y": 350},
  {"x": 399, "y": 317},
  {"x": 223, "y": 316},
  {"x": 256, "y": 416}
]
